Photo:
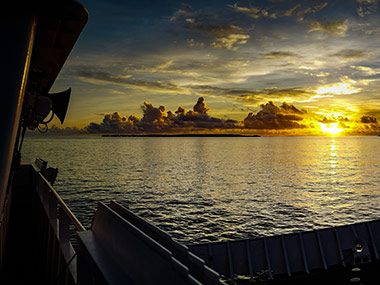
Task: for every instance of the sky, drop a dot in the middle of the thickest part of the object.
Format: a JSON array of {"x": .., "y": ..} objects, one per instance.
[{"x": 284, "y": 67}]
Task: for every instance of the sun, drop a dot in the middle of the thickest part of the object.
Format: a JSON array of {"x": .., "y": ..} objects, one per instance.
[{"x": 332, "y": 128}]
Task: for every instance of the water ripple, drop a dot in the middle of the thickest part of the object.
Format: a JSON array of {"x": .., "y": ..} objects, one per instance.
[{"x": 209, "y": 189}]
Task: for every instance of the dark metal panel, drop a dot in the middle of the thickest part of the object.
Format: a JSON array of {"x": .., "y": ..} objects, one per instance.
[
  {"x": 196, "y": 265},
  {"x": 276, "y": 255},
  {"x": 330, "y": 247},
  {"x": 286, "y": 258},
  {"x": 119, "y": 248},
  {"x": 362, "y": 230},
  {"x": 347, "y": 236},
  {"x": 257, "y": 251},
  {"x": 374, "y": 241},
  {"x": 304, "y": 257},
  {"x": 59, "y": 26},
  {"x": 294, "y": 251},
  {"x": 239, "y": 257},
  {"x": 312, "y": 251},
  {"x": 220, "y": 258},
  {"x": 17, "y": 32}
]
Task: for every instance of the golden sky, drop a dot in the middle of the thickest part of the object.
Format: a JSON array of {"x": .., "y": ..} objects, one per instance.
[{"x": 268, "y": 67}]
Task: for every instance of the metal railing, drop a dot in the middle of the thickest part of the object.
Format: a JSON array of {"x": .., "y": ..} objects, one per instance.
[
  {"x": 60, "y": 257},
  {"x": 296, "y": 254}
]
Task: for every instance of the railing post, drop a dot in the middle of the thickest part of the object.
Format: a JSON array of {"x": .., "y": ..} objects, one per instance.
[
  {"x": 63, "y": 230},
  {"x": 53, "y": 204}
]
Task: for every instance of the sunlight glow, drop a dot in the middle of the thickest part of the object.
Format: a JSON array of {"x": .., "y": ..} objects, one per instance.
[
  {"x": 337, "y": 89},
  {"x": 331, "y": 128},
  {"x": 330, "y": 114}
]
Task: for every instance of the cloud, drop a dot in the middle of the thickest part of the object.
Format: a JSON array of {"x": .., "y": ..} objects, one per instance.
[
  {"x": 253, "y": 12},
  {"x": 55, "y": 130},
  {"x": 311, "y": 10},
  {"x": 200, "y": 106},
  {"x": 367, "y": 7},
  {"x": 336, "y": 28},
  {"x": 279, "y": 54},
  {"x": 368, "y": 119},
  {"x": 159, "y": 120},
  {"x": 196, "y": 66},
  {"x": 290, "y": 11},
  {"x": 253, "y": 96},
  {"x": 162, "y": 67},
  {"x": 224, "y": 34},
  {"x": 350, "y": 54},
  {"x": 274, "y": 93},
  {"x": 113, "y": 123},
  {"x": 193, "y": 43},
  {"x": 367, "y": 1},
  {"x": 184, "y": 12},
  {"x": 234, "y": 93},
  {"x": 289, "y": 108},
  {"x": 366, "y": 125},
  {"x": 198, "y": 118},
  {"x": 331, "y": 119},
  {"x": 250, "y": 95},
  {"x": 365, "y": 69},
  {"x": 353, "y": 125},
  {"x": 152, "y": 114},
  {"x": 271, "y": 117},
  {"x": 297, "y": 11},
  {"x": 100, "y": 77},
  {"x": 346, "y": 86},
  {"x": 230, "y": 41}
]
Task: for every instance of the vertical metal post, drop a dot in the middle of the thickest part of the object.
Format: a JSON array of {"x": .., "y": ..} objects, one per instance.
[
  {"x": 372, "y": 240},
  {"x": 304, "y": 253},
  {"x": 249, "y": 258},
  {"x": 267, "y": 258},
  {"x": 230, "y": 262}
]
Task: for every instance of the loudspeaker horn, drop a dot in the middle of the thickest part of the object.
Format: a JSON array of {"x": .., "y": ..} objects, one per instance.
[{"x": 60, "y": 103}]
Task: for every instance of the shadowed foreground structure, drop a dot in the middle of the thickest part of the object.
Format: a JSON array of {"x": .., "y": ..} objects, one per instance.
[
  {"x": 122, "y": 247},
  {"x": 41, "y": 241}
]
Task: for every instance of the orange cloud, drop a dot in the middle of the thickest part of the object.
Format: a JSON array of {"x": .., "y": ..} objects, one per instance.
[
  {"x": 272, "y": 116},
  {"x": 270, "y": 119}
]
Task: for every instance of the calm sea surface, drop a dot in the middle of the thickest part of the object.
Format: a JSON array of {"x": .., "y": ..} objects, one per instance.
[{"x": 208, "y": 189}]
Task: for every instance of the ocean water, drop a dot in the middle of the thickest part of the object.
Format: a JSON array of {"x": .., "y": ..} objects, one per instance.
[{"x": 202, "y": 189}]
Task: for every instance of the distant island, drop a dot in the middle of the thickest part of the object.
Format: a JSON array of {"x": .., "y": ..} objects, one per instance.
[{"x": 179, "y": 135}]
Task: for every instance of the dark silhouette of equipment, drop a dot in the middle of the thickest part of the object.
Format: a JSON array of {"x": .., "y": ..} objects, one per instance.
[
  {"x": 38, "y": 107},
  {"x": 60, "y": 103}
]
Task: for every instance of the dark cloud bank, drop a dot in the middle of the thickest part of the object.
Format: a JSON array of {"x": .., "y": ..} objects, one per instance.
[
  {"x": 272, "y": 119},
  {"x": 157, "y": 119},
  {"x": 276, "y": 117}
]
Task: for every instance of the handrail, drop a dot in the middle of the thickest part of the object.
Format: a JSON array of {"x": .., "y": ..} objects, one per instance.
[{"x": 63, "y": 205}]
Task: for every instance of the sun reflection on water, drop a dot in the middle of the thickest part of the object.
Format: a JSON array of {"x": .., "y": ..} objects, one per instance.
[
  {"x": 208, "y": 189},
  {"x": 333, "y": 161}
]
